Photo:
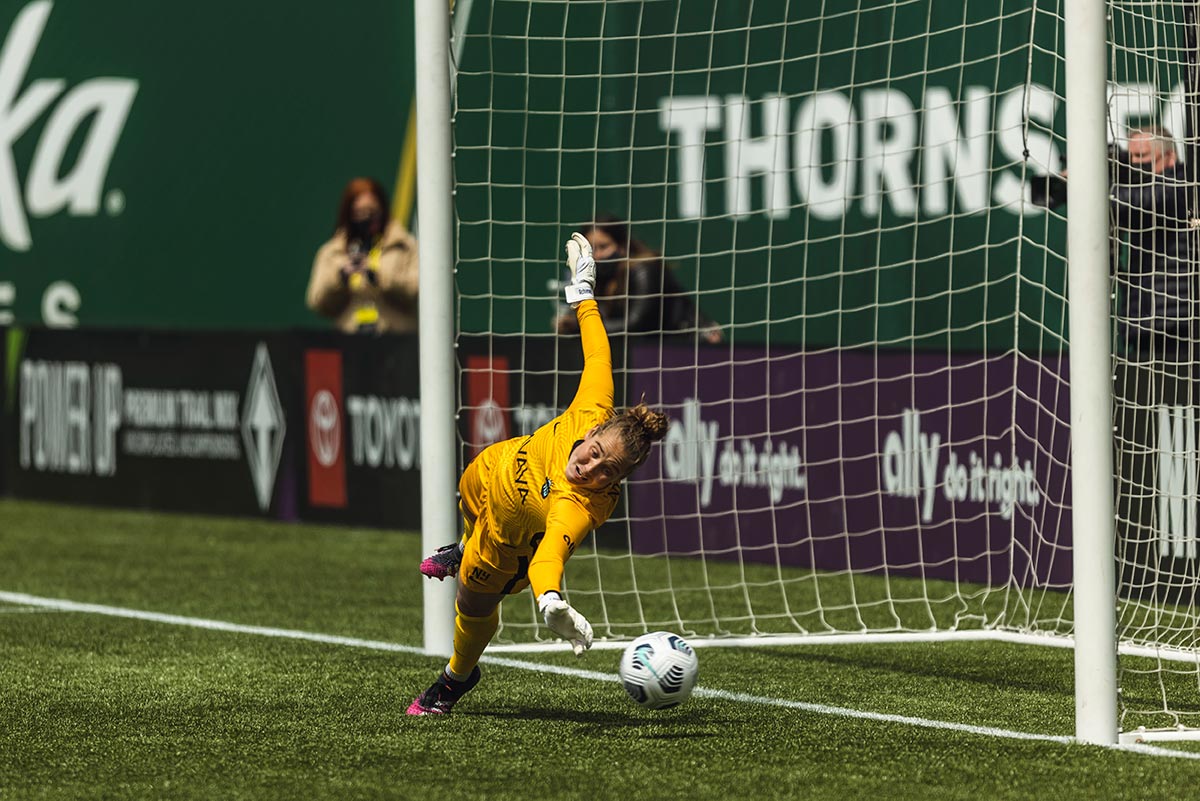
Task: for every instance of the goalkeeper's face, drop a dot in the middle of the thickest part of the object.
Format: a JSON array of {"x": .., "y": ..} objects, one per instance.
[{"x": 597, "y": 462}]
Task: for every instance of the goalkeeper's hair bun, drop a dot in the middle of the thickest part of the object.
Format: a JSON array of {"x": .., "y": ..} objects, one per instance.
[
  {"x": 638, "y": 427},
  {"x": 653, "y": 423}
]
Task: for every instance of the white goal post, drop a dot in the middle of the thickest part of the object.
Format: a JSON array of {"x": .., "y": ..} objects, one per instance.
[
  {"x": 439, "y": 477},
  {"x": 899, "y": 432},
  {"x": 1091, "y": 370}
]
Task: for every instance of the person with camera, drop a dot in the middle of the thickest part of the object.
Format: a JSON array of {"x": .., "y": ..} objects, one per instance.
[{"x": 365, "y": 276}]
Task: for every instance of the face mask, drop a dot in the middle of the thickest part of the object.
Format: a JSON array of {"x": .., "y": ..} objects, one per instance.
[
  {"x": 360, "y": 230},
  {"x": 606, "y": 270}
]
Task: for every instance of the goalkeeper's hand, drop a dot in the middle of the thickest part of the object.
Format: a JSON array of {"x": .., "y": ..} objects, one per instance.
[
  {"x": 583, "y": 270},
  {"x": 564, "y": 621}
]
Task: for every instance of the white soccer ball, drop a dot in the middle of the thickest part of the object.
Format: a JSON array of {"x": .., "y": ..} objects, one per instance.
[{"x": 659, "y": 670}]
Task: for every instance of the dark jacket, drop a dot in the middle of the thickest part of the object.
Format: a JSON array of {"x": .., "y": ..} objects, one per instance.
[
  {"x": 645, "y": 297},
  {"x": 1158, "y": 285}
]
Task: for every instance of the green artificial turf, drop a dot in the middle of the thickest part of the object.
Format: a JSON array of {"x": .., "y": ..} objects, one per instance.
[{"x": 95, "y": 706}]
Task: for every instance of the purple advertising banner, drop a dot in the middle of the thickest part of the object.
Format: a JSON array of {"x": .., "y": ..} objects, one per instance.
[{"x": 946, "y": 465}]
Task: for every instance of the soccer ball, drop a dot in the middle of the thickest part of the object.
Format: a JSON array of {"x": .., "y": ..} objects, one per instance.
[{"x": 659, "y": 670}]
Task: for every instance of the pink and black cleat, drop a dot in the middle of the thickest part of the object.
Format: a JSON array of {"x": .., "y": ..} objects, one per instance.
[
  {"x": 444, "y": 562},
  {"x": 443, "y": 694}
]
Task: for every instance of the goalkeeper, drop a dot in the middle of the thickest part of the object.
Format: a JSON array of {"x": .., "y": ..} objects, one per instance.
[{"x": 528, "y": 502}]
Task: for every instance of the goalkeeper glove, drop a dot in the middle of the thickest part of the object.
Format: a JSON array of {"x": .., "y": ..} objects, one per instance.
[
  {"x": 565, "y": 621},
  {"x": 583, "y": 270}
]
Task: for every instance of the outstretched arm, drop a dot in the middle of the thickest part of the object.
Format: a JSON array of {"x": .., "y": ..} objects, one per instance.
[
  {"x": 567, "y": 525},
  {"x": 596, "y": 383}
]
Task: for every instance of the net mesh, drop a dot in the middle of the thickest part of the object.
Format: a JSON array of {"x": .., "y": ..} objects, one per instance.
[
  {"x": 1152, "y": 125},
  {"x": 856, "y": 311}
]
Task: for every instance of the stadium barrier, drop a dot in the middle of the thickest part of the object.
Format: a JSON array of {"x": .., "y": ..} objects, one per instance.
[
  {"x": 157, "y": 420},
  {"x": 774, "y": 456},
  {"x": 323, "y": 427},
  {"x": 358, "y": 408},
  {"x": 313, "y": 426}
]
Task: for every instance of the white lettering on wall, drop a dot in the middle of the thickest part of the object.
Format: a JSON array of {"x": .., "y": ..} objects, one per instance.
[
  {"x": 910, "y": 467},
  {"x": 68, "y": 417},
  {"x": 1177, "y": 482},
  {"x": 99, "y": 106},
  {"x": 957, "y": 151},
  {"x": 874, "y": 151},
  {"x": 765, "y": 155},
  {"x": 384, "y": 432},
  {"x": 688, "y": 118},
  {"x": 689, "y": 455},
  {"x": 825, "y": 112},
  {"x": 889, "y": 141}
]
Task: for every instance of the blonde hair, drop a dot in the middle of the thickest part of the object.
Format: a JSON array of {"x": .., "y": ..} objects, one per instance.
[{"x": 638, "y": 427}]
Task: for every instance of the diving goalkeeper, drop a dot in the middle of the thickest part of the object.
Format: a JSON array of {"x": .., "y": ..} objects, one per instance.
[{"x": 528, "y": 502}]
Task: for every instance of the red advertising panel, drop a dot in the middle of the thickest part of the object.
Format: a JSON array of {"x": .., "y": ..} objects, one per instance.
[
  {"x": 487, "y": 401},
  {"x": 325, "y": 432}
]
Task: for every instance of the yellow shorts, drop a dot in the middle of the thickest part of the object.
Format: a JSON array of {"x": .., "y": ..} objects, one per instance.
[{"x": 488, "y": 565}]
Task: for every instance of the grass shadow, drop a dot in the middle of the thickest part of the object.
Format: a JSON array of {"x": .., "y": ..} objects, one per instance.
[
  {"x": 993, "y": 673},
  {"x": 666, "y": 725}
]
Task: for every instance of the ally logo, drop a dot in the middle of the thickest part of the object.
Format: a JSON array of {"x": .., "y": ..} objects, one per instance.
[{"x": 47, "y": 191}]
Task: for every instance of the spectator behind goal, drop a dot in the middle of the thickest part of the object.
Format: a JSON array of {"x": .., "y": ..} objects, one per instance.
[
  {"x": 636, "y": 291},
  {"x": 365, "y": 276},
  {"x": 1150, "y": 207}
]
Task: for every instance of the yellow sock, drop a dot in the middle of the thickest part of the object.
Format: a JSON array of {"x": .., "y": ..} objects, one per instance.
[{"x": 471, "y": 636}]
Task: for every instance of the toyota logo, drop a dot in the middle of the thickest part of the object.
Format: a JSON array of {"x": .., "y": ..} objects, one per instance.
[
  {"x": 489, "y": 423},
  {"x": 324, "y": 428}
]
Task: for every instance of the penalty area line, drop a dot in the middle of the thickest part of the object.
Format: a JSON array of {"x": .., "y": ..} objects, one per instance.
[{"x": 60, "y": 605}]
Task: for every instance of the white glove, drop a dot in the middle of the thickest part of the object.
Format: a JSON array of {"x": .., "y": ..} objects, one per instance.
[
  {"x": 565, "y": 621},
  {"x": 583, "y": 270}
]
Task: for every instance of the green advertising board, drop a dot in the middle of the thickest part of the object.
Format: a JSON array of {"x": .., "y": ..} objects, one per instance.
[
  {"x": 835, "y": 173},
  {"x": 178, "y": 165}
]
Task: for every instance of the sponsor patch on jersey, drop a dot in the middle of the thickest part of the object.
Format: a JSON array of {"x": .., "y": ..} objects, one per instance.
[{"x": 546, "y": 488}]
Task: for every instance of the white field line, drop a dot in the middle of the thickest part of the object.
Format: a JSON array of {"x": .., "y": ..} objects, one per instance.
[
  {"x": 879, "y": 637},
  {"x": 771, "y": 640},
  {"x": 59, "y": 605}
]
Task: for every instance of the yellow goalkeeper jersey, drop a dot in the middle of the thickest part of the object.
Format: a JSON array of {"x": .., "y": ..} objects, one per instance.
[{"x": 529, "y": 503}]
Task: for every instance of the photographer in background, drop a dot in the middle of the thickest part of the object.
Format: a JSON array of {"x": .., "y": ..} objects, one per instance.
[{"x": 365, "y": 277}]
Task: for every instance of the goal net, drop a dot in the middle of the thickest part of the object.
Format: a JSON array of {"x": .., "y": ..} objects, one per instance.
[
  {"x": 1152, "y": 114},
  {"x": 860, "y": 336}
]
